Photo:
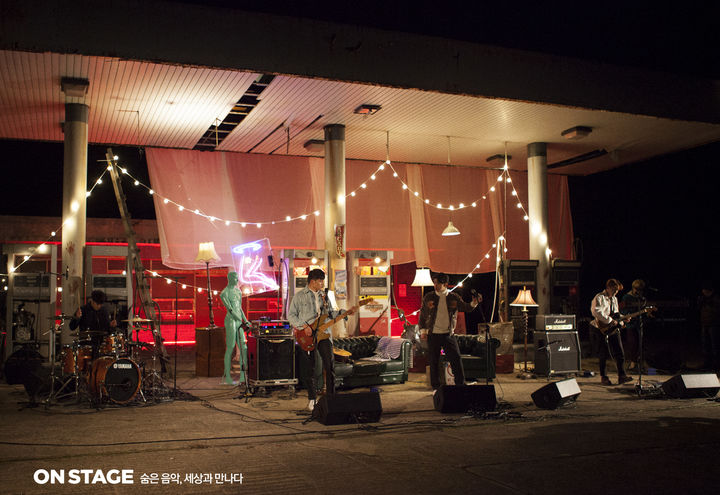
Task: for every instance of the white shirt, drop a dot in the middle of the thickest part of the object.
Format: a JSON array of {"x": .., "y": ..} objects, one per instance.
[
  {"x": 442, "y": 318},
  {"x": 602, "y": 308}
]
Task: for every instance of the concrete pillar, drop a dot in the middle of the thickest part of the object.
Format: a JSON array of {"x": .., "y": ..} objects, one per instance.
[
  {"x": 335, "y": 205},
  {"x": 73, "y": 209},
  {"x": 538, "y": 221}
]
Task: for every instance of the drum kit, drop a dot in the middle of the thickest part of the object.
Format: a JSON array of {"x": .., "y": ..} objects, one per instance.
[{"x": 103, "y": 368}]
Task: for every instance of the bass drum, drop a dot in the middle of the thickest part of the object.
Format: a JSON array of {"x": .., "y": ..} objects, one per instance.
[{"x": 117, "y": 379}]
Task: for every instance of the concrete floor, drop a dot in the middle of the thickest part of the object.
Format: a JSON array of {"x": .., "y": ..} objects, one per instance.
[{"x": 610, "y": 440}]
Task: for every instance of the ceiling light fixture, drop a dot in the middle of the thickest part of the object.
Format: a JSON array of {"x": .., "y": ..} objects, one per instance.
[
  {"x": 577, "y": 132},
  {"x": 450, "y": 230},
  {"x": 314, "y": 145},
  {"x": 367, "y": 109}
]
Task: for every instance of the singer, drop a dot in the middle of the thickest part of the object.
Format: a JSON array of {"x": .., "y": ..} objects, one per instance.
[{"x": 308, "y": 307}]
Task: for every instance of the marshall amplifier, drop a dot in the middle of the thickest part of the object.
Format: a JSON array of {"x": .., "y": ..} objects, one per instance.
[
  {"x": 554, "y": 323},
  {"x": 557, "y": 351}
]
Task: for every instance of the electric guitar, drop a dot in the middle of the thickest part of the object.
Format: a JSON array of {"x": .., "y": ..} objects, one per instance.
[
  {"x": 322, "y": 323},
  {"x": 609, "y": 329}
]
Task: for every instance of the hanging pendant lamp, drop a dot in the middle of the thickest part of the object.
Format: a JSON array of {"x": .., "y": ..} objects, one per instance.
[{"x": 450, "y": 230}]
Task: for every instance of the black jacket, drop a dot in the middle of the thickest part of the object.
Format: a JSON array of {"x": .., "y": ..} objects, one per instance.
[{"x": 428, "y": 312}]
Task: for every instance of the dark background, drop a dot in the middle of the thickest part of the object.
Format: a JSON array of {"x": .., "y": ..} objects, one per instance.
[{"x": 653, "y": 220}]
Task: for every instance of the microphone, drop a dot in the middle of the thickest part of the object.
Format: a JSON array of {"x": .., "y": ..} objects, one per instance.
[
  {"x": 271, "y": 261},
  {"x": 67, "y": 272}
]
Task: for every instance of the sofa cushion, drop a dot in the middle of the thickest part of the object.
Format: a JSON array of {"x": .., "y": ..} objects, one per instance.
[
  {"x": 364, "y": 367},
  {"x": 343, "y": 369},
  {"x": 395, "y": 365}
]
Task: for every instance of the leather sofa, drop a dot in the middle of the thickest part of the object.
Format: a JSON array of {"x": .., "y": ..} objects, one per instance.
[
  {"x": 474, "y": 357},
  {"x": 358, "y": 371}
]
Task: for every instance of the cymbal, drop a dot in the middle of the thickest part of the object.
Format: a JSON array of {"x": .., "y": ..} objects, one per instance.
[
  {"x": 140, "y": 320},
  {"x": 60, "y": 317}
]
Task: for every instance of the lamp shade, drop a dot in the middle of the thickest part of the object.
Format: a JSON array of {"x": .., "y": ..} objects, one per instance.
[
  {"x": 422, "y": 278},
  {"x": 450, "y": 230},
  {"x": 206, "y": 252},
  {"x": 524, "y": 298}
]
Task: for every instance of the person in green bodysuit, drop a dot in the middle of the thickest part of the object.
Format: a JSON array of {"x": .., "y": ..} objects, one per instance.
[{"x": 231, "y": 297}]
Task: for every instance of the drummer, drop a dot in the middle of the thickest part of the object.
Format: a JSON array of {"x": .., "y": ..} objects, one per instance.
[{"x": 94, "y": 317}]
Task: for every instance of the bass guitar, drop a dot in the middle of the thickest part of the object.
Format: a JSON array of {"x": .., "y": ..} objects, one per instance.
[
  {"x": 609, "y": 329},
  {"x": 322, "y": 323}
]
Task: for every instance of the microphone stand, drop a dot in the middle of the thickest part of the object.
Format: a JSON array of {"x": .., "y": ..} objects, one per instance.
[
  {"x": 176, "y": 279},
  {"x": 473, "y": 292},
  {"x": 639, "y": 387}
]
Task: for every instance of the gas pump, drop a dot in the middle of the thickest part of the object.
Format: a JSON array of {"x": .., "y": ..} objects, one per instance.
[
  {"x": 371, "y": 270},
  {"x": 107, "y": 269},
  {"x": 31, "y": 299}
]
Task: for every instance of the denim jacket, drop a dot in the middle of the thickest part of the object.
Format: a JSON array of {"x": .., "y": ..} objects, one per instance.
[{"x": 302, "y": 310}]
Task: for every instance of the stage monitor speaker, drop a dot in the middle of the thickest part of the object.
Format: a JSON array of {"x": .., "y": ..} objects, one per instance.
[
  {"x": 271, "y": 358},
  {"x": 21, "y": 364},
  {"x": 554, "y": 395},
  {"x": 557, "y": 351},
  {"x": 461, "y": 399},
  {"x": 692, "y": 385},
  {"x": 340, "y": 409}
]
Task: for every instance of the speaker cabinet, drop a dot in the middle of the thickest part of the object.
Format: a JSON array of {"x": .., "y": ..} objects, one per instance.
[
  {"x": 554, "y": 395},
  {"x": 461, "y": 399},
  {"x": 690, "y": 386},
  {"x": 557, "y": 352},
  {"x": 210, "y": 351},
  {"x": 271, "y": 358},
  {"x": 340, "y": 409}
]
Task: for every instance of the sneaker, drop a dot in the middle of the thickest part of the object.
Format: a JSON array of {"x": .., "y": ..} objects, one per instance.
[
  {"x": 311, "y": 405},
  {"x": 624, "y": 379},
  {"x": 605, "y": 381}
]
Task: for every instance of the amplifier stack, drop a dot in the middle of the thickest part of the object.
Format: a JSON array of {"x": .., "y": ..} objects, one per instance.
[
  {"x": 271, "y": 354},
  {"x": 557, "y": 345}
]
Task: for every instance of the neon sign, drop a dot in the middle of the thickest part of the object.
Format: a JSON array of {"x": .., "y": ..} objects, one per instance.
[{"x": 251, "y": 260}]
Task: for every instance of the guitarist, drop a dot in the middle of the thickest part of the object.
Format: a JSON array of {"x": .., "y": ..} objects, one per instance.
[
  {"x": 306, "y": 306},
  {"x": 607, "y": 323}
]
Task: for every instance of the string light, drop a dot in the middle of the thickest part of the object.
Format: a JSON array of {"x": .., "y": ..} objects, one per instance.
[
  {"x": 75, "y": 207},
  {"x": 244, "y": 223}
]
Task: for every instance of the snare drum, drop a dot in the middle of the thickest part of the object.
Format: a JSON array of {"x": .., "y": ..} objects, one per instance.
[
  {"x": 117, "y": 379},
  {"x": 68, "y": 356}
]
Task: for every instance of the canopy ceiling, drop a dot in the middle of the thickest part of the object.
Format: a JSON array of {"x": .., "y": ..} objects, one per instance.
[{"x": 173, "y": 106}]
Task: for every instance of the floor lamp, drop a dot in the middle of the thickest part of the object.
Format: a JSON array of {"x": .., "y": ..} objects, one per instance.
[
  {"x": 206, "y": 254},
  {"x": 524, "y": 299}
]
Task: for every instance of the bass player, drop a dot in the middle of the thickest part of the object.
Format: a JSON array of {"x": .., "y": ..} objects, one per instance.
[
  {"x": 608, "y": 323},
  {"x": 305, "y": 308}
]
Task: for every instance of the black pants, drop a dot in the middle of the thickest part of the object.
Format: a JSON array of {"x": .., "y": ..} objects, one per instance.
[
  {"x": 611, "y": 347},
  {"x": 632, "y": 342},
  {"x": 324, "y": 349},
  {"x": 448, "y": 343}
]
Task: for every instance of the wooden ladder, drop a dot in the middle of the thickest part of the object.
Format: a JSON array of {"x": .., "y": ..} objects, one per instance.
[{"x": 138, "y": 269}]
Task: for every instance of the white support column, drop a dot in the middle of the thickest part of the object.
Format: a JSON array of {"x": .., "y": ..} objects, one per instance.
[
  {"x": 73, "y": 209},
  {"x": 538, "y": 221},
  {"x": 335, "y": 206}
]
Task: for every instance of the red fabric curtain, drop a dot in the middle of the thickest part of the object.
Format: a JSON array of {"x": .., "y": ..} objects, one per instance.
[{"x": 263, "y": 188}]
